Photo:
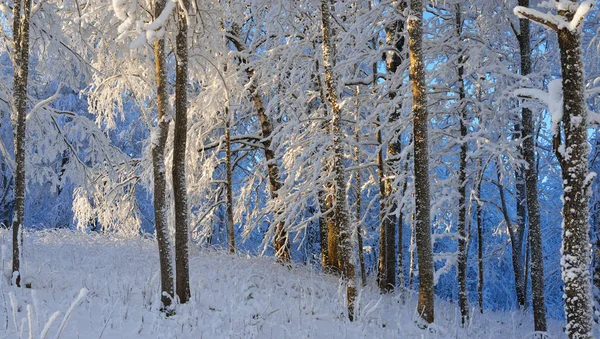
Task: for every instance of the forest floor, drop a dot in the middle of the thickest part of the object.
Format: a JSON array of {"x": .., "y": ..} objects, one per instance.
[{"x": 107, "y": 287}]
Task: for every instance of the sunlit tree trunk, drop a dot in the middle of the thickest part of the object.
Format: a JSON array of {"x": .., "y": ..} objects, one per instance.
[
  {"x": 340, "y": 208},
  {"x": 425, "y": 306},
  {"x": 159, "y": 170}
]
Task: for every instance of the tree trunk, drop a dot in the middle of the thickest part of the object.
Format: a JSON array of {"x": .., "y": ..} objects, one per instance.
[
  {"x": 387, "y": 263},
  {"x": 516, "y": 238},
  {"x": 158, "y": 164},
  {"x": 21, "y": 73},
  {"x": 519, "y": 229},
  {"x": 229, "y": 184},
  {"x": 340, "y": 208},
  {"x": 479, "y": 239},
  {"x": 281, "y": 242},
  {"x": 463, "y": 296},
  {"x": 575, "y": 249},
  {"x": 182, "y": 265},
  {"x": 361, "y": 255},
  {"x": 533, "y": 207},
  {"x": 425, "y": 306}
]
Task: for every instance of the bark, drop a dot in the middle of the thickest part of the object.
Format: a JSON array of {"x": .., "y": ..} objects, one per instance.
[
  {"x": 158, "y": 164},
  {"x": 478, "y": 211},
  {"x": 361, "y": 254},
  {"x": 425, "y": 306},
  {"x": 21, "y": 73},
  {"x": 596, "y": 268},
  {"x": 412, "y": 259},
  {"x": 574, "y": 164},
  {"x": 463, "y": 296},
  {"x": 340, "y": 208},
  {"x": 387, "y": 262},
  {"x": 229, "y": 184},
  {"x": 182, "y": 266},
  {"x": 516, "y": 238},
  {"x": 328, "y": 231},
  {"x": 533, "y": 207},
  {"x": 401, "y": 279},
  {"x": 519, "y": 229}
]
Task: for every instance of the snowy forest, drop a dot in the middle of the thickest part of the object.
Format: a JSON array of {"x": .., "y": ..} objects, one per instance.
[{"x": 299, "y": 169}]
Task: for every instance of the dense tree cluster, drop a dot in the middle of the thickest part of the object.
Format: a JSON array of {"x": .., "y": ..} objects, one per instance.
[{"x": 430, "y": 145}]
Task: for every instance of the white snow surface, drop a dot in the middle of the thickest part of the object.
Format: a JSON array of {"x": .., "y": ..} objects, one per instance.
[{"x": 100, "y": 286}]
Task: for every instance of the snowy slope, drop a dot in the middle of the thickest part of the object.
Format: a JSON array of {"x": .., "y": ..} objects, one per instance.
[{"x": 232, "y": 297}]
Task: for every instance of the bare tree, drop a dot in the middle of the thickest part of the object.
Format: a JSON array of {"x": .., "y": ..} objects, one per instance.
[
  {"x": 340, "y": 208},
  {"x": 425, "y": 306},
  {"x": 158, "y": 164},
  {"x": 463, "y": 296},
  {"x": 573, "y": 159},
  {"x": 21, "y": 19},
  {"x": 182, "y": 266},
  {"x": 533, "y": 206}
]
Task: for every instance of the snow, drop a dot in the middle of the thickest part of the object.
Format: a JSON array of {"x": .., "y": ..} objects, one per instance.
[
  {"x": 583, "y": 9},
  {"x": 553, "y": 99},
  {"x": 555, "y": 20},
  {"x": 555, "y": 103},
  {"x": 548, "y": 18},
  {"x": 163, "y": 17},
  {"x": 96, "y": 286}
]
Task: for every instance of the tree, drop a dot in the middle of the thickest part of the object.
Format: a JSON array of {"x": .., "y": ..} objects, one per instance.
[
  {"x": 533, "y": 206},
  {"x": 182, "y": 269},
  {"x": 389, "y": 220},
  {"x": 573, "y": 161},
  {"x": 340, "y": 208},
  {"x": 158, "y": 165},
  {"x": 463, "y": 296},
  {"x": 425, "y": 306},
  {"x": 21, "y": 18}
]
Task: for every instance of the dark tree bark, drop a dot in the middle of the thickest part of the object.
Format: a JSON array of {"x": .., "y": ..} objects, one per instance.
[
  {"x": 463, "y": 296},
  {"x": 425, "y": 306},
  {"x": 573, "y": 159},
  {"x": 361, "y": 254},
  {"x": 387, "y": 263},
  {"x": 575, "y": 261},
  {"x": 158, "y": 164},
  {"x": 229, "y": 184},
  {"x": 182, "y": 266},
  {"x": 20, "y": 77},
  {"x": 479, "y": 238},
  {"x": 533, "y": 207}
]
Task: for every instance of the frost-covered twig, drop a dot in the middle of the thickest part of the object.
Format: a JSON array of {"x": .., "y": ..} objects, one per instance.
[{"x": 82, "y": 293}]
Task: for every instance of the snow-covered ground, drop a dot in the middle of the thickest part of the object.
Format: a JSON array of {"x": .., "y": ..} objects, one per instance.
[{"x": 111, "y": 286}]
